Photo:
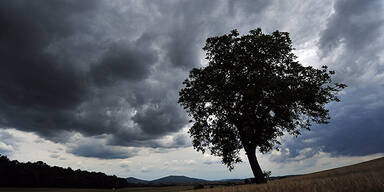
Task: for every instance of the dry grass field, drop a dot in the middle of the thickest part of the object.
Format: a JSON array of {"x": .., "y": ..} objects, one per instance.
[{"x": 367, "y": 176}]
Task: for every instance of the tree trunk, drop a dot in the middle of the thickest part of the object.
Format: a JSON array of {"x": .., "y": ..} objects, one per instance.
[
  {"x": 257, "y": 172},
  {"x": 250, "y": 148}
]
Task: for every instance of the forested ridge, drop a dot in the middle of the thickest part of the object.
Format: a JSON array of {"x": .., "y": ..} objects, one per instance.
[{"x": 39, "y": 174}]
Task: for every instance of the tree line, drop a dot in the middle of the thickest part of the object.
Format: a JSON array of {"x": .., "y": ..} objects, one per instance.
[{"x": 39, "y": 174}]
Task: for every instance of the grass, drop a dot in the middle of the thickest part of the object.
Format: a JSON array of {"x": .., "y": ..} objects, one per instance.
[{"x": 367, "y": 176}]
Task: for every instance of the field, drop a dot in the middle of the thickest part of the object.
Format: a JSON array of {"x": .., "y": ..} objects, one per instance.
[{"x": 367, "y": 176}]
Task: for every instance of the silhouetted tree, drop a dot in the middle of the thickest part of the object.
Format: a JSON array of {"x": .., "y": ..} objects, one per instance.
[{"x": 251, "y": 92}]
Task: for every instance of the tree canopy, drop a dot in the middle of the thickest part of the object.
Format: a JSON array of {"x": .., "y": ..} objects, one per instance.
[{"x": 252, "y": 91}]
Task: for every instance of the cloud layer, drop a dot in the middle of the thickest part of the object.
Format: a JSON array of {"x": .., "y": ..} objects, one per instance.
[{"x": 112, "y": 70}]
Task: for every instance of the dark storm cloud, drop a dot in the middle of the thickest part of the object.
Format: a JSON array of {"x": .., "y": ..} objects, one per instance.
[
  {"x": 156, "y": 119},
  {"x": 357, "y": 26},
  {"x": 48, "y": 82},
  {"x": 37, "y": 88},
  {"x": 88, "y": 67},
  {"x": 357, "y": 128},
  {"x": 353, "y": 38},
  {"x": 351, "y": 44},
  {"x": 30, "y": 77},
  {"x": 356, "y": 133},
  {"x": 181, "y": 140},
  {"x": 193, "y": 21},
  {"x": 100, "y": 151},
  {"x": 189, "y": 21},
  {"x": 130, "y": 62},
  {"x": 248, "y": 7},
  {"x": 113, "y": 69},
  {"x": 355, "y": 23}
]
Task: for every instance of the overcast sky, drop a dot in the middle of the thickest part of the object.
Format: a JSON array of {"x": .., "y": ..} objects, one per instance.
[{"x": 94, "y": 84}]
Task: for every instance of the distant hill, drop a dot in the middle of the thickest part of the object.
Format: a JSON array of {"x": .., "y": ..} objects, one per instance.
[
  {"x": 169, "y": 180},
  {"x": 183, "y": 180},
  {"x": 173, "y": 179},
  {"x": 134, "y": 180}
]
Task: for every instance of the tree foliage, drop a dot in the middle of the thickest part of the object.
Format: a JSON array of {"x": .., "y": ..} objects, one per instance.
[{"x": 252, "y": 91}]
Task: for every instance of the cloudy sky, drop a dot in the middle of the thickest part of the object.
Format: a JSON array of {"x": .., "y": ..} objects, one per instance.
[{"x": 94, "y": 84}]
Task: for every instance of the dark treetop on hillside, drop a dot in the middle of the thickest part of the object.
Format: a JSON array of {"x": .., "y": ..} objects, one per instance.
[
  {"x": 252, "y": 91},
  {"x": 39, "y": 174}
]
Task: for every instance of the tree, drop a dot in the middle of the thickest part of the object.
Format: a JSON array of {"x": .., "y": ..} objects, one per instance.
[{"x": 252, "y": 92}]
